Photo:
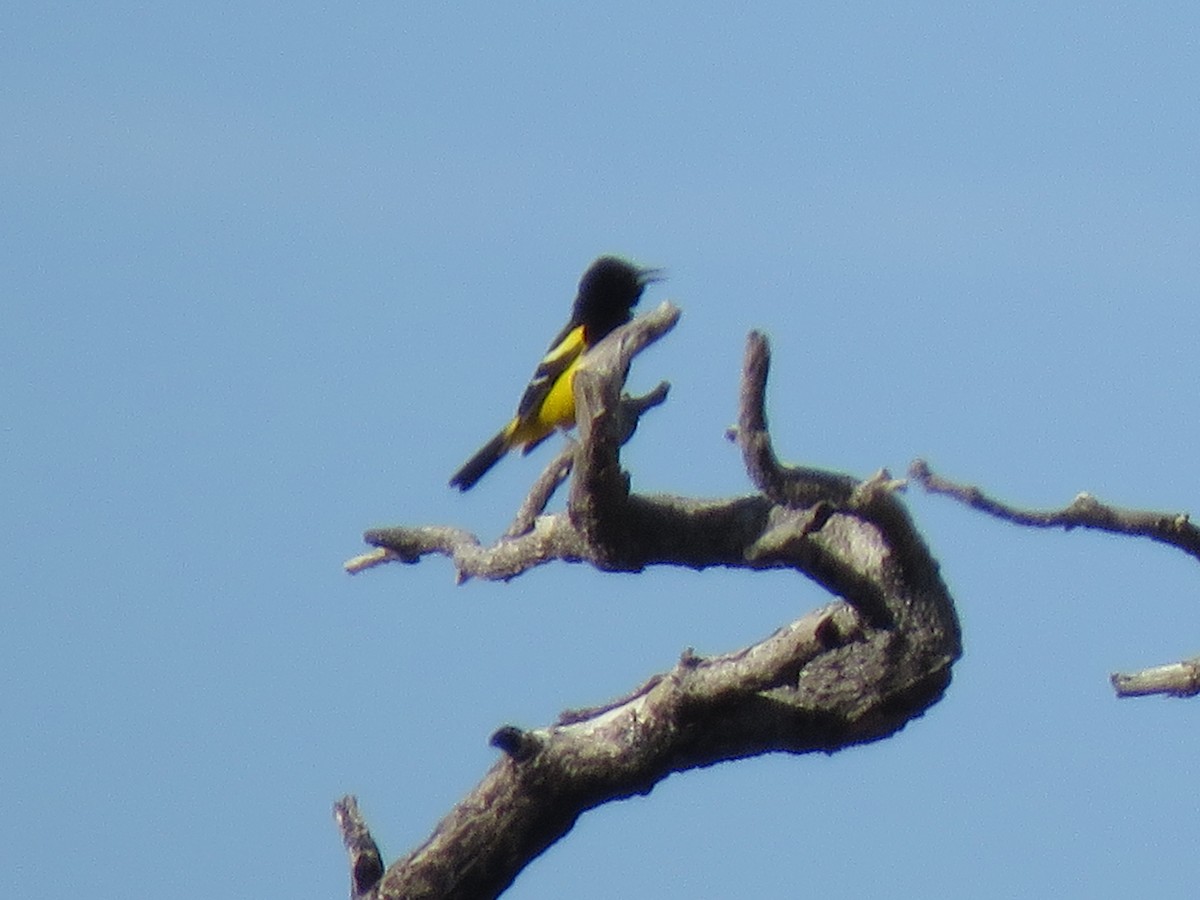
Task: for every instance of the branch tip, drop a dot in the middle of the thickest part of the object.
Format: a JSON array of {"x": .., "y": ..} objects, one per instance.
[
  {"x": 364, "y": 561},
  {"x": 366, "y": 863},
  {"x": 1181, "y": 679},
  {"x": 518, "y": 744},
  {"x": 689, "y": 659}
]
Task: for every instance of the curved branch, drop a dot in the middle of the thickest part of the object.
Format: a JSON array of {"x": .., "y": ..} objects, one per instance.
[
  {"x": 857, "y": 670},
  {"x": 789, "y": 486}
]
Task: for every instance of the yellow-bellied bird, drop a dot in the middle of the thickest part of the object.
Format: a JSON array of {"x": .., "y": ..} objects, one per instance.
[{"x": 608, "y": 291}]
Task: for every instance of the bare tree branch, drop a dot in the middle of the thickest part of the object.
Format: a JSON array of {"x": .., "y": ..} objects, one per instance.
[
  {"x": 560, "y": 467},
  {"x": 857, "y": 670},
  {"x": 1180, "y": 679},
  {"x": 532, "y": 540},
  {"x": 558, "y": 471},
  {"x": 1085, "y": 511},
  {"x": 366, "y": 865},
  {"x": 787, "y": 486}
]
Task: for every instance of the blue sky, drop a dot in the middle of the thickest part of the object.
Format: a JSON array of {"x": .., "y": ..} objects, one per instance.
[{"x": 269, "y": 275}]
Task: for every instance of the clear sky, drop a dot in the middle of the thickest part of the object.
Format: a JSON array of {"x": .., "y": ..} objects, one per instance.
[{"x": 268, "y": 274}]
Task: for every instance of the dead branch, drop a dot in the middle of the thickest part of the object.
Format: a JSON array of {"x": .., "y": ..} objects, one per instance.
[
  {"x": 1181, "y": 679},
  {"x": 857, "y": 670},
  {"x": 366, "y": 864},
  {"x": 1085, "y": 511}
]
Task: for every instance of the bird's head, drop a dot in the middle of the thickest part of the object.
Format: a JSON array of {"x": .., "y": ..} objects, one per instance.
[{"x": 608, "y": 291}]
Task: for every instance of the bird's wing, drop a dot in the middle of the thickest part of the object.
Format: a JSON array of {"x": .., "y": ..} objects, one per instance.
[{"x": 565, "y": 350}]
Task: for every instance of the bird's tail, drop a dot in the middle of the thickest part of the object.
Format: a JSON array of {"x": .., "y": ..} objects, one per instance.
[{"x": 477, "y": 466}]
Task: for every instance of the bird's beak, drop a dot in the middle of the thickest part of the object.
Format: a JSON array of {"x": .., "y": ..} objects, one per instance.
[{"x": 650, "y": 276}]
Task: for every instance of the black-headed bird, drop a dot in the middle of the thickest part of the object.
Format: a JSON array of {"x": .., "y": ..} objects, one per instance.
[{"x": 608, "y": 291}]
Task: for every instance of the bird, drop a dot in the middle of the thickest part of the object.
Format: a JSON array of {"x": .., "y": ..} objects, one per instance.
[{"x": 608, "y": 291}]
